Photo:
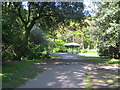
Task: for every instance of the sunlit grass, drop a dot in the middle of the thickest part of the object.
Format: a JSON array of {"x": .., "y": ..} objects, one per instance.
[
  {"x": 17, "y": 73},
  {"x": 98, "y": 59},
  {"x": 1, "y": 74},
  {"x": 87, "y": 51},
  {"x": 112, "y": 61}
]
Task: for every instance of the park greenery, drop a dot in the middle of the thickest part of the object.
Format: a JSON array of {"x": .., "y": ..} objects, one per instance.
[
  {"x": 33, "y": 33},
  {"x": 46, "y": 26},
  {"x": 30, "y": 35}
]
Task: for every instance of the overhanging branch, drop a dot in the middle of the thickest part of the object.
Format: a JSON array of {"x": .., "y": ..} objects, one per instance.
[
  {"x": 29, "y": 11},
  {"x": 19, "y": 13}
]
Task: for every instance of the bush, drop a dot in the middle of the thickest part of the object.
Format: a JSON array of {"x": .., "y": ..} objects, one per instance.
[
  {"x": 56, "y": 49},
  {"x": 84, "y": 51},
  {"x": 103, "y": 51},
  {"x": 59, "y": 46},
  {"x": 88, "y": 51},
  {"x": 110, "y": 52},
  {"x": 7, "y": 54},
  {"x": 62, "y": 49},
  {"x": 37, "y": 52}
]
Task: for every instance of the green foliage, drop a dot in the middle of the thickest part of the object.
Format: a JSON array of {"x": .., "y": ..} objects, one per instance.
[
  {"x": 59, "y": 46},
  {"x": 74, "y": 51},
  {"x": 83, "y": 51},
  {"x": 80, "y": 31},
  {"x": 7, "y": 54},
  {"x": 91, "y": 51},
  {"x": 37, "y": 52},
  {"x": 88, "y": 51},
  {"x": 18, "y": 23},
  {"x": 107, "y": 29},
  {"x": 11, "y": 35}
]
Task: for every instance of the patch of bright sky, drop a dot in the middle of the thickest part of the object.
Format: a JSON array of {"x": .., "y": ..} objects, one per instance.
[
  {"x": 90, "y": 7},
  {"x": 25, "y": 5}
]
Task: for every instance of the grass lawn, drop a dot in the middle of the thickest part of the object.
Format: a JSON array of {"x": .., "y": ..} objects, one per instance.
[
  {"x": 17, "y": 73},
  {"x": 98, "y": 59}
]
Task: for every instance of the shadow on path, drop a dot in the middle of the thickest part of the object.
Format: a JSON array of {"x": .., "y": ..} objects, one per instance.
[{"x": 70, "y": 72}]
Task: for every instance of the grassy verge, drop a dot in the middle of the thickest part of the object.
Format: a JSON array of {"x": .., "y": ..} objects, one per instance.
[
  {"x": 17, "y": 73},
  {"x": 88, "y": 82},
  {"x": 98, "y": 59},
  {"x": 87, "y": 51}
]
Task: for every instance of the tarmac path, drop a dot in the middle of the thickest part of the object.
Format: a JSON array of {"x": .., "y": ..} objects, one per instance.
[
  {"x": 68, "y": 75},
  {"x": 71, "y": 72}
]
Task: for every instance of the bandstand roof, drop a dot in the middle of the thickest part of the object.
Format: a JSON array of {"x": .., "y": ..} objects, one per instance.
[{"x": 72, "y": 44}]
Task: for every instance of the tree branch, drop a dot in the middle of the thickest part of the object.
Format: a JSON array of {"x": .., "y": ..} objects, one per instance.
[
  {"x": 32, "y": 23},
  {"x": 19, "y": 13},
  {"x": 29, "y": 10}
]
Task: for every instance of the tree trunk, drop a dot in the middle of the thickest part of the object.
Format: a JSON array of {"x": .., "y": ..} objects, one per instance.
[
  {"x": 89, "y": 45},
  {"x": 24, "y": 46}
]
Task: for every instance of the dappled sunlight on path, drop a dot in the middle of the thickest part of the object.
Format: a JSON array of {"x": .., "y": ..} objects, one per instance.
[
  {"x": 62, "y": 76},
  {"x": 73, "y": 72},
  {"x": 103, "y": 78}
]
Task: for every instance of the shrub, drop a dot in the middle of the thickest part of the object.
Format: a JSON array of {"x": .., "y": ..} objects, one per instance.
[
  {"x": 84, "y": 51},
  {"x": 37, "y": 52},
  {"x": 110, "y": 52}
]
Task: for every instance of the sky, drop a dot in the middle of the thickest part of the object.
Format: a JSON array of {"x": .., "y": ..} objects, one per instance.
[
  {"x": 24, "y": 3},
  {"x": 89, "y": 6}
]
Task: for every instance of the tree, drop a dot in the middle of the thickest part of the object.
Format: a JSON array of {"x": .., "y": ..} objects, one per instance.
[
  {"x": 46, "y": 12},
  {"x": 11, "y": 33},
  {"x": 107, "y": 29}
]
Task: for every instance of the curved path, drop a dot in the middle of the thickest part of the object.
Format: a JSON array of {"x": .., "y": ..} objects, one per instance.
[
  {"x": 68, "y": 75},
  {"x": 70, "y": 72}
]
